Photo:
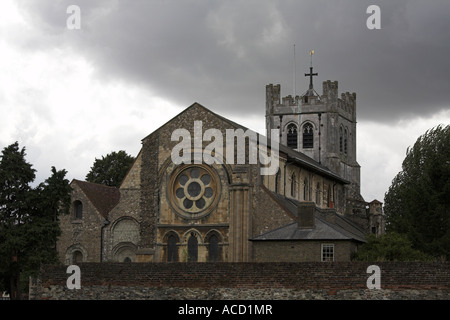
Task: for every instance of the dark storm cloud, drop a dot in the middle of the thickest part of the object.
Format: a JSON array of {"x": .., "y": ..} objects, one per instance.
[{"x": 223, "y": 53}]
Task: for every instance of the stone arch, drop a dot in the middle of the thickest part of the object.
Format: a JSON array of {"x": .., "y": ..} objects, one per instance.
[
  {"x": 304, "y": 122},
  {"x": 192, "y": 240},
  {"x": 190, "y": 233},
  {"x": 75, "y": 254},
  {"x": 171, "y": 242},
  {"x": 214, "y": 242},
  {"x": 124, "y": 252},
  {"x": 169, "y": 233},
  {"x": 125, "y": 230}
]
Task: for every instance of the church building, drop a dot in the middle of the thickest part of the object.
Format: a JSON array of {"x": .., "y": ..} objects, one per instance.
[{"x": 217, "y": 207}]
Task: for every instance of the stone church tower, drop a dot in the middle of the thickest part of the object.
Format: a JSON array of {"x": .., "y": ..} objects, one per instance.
[{"x": 322, "y": 127}]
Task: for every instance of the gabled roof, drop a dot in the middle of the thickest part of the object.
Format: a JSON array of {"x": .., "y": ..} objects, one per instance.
[
  {"x": 341, "y": 228},
  {"x": 102, "y": 197},
  {"x": 294, "y": 156}
]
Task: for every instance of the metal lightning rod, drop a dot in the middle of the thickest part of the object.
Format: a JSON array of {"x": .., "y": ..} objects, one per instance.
[{"x": 295, "y": 75}]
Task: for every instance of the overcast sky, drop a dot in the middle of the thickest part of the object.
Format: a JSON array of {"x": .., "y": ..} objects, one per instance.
[{"x": 70, "y": 96}]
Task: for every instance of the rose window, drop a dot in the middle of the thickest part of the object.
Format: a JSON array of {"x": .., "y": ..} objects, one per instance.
[{"x": 194, "y": 190}]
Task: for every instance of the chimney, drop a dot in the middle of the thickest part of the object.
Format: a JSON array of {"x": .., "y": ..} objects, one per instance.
[{"x": 305, "y": 214}]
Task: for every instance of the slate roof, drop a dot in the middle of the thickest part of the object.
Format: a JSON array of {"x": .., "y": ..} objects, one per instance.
[
  {"x": 341, "y": 229},
  {"x": 102, "y": 197}
]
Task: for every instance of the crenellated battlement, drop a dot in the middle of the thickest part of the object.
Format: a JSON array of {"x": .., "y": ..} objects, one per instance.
[
  {"x": 349, "y": 100},
  {"x": 330, "y": 90},
  {"x": 346, "y": 102},
  {"x": 277, "y": 105},
  {"x": 272, "y": 97}
]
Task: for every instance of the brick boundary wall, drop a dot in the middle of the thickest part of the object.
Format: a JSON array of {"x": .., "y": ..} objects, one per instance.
[{"x": 304, "y": 280}]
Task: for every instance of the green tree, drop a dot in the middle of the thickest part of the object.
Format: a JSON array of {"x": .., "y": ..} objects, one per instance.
[
  {"x": 110, "y": 170},
  {"x": 28, "y": 219},
  {"x": 418, "y": 201},
  {"x": 391, "y": 246},
  {"x": 15, "y": 199}
]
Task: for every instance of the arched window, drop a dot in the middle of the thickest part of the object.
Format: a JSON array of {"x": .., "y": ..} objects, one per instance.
[
  {"x": 277, "y": 181},
  {"x": 305, "y": 190},
  {"x": 345, "y": 141},
  {"x": 292, "y": 136},
  {"x": 341, "y": 140},
  {"x": 213, "y": 248},
  {"x": 318, "y": 194},
  {"x": 308, "y": 136},
  {"x": 329, "y": 198},
  {"x": 78, "y": 206},
  {"x": 293, "y": 185},
  {"x": 172, "y": 249},
  {"x": 192, "y": 248}
]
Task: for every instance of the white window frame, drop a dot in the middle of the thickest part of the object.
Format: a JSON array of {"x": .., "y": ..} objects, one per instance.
[{"x": 328, "y": 253}]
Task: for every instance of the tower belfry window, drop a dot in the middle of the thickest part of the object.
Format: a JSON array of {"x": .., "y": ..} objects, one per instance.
[
  {"x": 292, "y": 136},
  {"x": 345, "y": 141},
  {"x": 308, "y": 136}
]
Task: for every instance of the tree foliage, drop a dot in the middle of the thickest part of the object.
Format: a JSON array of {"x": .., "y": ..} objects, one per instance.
[
  {"x": 418, "y": 201},
  {"x": 110, "y": 170},
  {"x": 28, "y": 218},
  {"x": 391, "y": 246}
]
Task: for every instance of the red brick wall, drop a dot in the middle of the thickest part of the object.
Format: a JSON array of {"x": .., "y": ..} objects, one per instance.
[{"x": 306, "y": 275}]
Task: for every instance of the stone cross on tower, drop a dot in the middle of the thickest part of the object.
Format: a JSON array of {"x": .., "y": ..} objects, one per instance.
[{"x": 311, "y": 74}]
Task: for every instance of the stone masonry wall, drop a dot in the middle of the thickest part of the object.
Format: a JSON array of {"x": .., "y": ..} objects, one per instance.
[{"x": 338, "y": 280}]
